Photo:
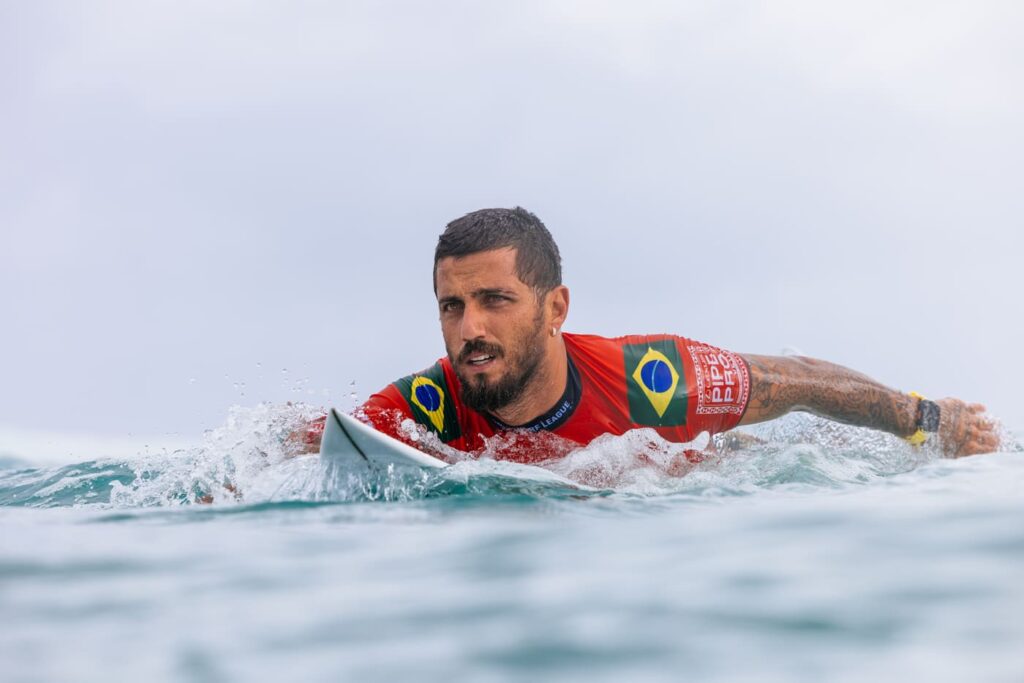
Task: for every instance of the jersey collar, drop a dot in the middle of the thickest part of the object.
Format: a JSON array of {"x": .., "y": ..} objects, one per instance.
[{"x": 558, "y": 413}]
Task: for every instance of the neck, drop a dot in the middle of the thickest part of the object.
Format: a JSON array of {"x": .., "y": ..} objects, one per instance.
[{"x": 543, "y": 391}]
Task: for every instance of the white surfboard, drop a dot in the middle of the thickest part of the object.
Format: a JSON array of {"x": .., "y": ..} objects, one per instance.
[
  {"x": 348, "y": 442},
  {"x": 349, "y": 445}
]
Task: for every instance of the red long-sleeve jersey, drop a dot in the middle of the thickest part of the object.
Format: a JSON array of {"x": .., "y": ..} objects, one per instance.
[{"x": 674, "y": 385}]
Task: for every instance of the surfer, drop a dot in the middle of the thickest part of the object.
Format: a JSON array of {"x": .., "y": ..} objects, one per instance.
[{"x": 512, "y": 371}]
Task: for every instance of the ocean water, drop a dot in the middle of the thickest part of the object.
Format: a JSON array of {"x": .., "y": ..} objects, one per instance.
[{"x": 812, "y": 552}]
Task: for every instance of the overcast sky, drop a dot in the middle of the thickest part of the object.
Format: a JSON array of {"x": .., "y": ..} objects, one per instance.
[{"x": 197, "y": 196}]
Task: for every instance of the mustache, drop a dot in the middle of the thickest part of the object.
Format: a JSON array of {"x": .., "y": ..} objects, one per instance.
[{"x": 478, "y": 346}]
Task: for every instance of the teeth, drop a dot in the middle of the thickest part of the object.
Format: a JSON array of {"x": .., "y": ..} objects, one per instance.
[{"x": 480, "y": 359}]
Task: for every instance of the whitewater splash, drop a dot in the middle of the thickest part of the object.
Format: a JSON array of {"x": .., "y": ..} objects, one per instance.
[{"x": 251, "y": 460}]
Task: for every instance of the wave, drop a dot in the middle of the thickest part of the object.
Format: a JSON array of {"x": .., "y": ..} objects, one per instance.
[{"x": 248, "y": 464}]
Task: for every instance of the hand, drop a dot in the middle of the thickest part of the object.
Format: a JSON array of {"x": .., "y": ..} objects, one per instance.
[
  {"x": 306, "y": 440},
  {"x": 964, "y": 429}
]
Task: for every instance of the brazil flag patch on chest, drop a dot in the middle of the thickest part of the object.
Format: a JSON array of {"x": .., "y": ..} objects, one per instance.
[
  {"x": 656, "y": 383},
  {"x": 431, "y": 404}
]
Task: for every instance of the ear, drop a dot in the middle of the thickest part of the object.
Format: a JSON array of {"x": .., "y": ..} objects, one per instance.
[{"x": 558, "y": 305}]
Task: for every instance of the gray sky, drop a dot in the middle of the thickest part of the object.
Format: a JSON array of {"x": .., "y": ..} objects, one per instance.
[{"x": 198, "y": 195}]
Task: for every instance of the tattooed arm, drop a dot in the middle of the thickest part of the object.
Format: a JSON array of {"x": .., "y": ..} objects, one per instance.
[{"x": 779, "y": 384}]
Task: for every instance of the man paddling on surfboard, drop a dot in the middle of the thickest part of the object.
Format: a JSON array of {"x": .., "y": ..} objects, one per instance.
[{"x": 512, "y": 371}]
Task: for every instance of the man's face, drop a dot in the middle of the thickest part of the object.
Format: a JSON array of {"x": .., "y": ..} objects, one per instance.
[{"x": 494, "y": 327}]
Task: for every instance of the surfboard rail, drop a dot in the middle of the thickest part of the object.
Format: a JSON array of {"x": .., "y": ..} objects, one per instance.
[{"x": 347, "y": 441}]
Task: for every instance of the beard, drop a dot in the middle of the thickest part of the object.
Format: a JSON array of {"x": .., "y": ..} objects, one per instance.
[{"x": 487, "y": 396}]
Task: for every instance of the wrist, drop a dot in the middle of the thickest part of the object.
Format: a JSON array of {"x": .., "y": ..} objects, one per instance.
[{"x": 927, "y": 416}]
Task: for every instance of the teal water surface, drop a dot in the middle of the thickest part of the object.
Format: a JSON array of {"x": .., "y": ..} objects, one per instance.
[{"x": 818, "y": 553}]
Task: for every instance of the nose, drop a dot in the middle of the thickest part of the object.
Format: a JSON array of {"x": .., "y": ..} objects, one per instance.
[{"x": 472, "y": 323}]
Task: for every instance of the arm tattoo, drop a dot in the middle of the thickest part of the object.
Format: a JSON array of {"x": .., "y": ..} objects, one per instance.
[{"x": 780, "y": 384}]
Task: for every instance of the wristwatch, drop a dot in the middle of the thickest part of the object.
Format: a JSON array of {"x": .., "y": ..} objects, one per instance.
[{"x": 927, "y": 420}]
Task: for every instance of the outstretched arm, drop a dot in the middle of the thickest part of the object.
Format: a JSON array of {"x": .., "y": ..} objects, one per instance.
[{"x": 780, "y": 384}]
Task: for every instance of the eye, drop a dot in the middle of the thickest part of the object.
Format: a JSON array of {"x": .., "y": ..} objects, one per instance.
[
  {"x": 451, "y": 306},
  {"x": 495, "y": 299}
]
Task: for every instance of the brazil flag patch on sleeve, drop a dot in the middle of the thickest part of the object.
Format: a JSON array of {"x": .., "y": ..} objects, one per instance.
[
  {"x": 656, "y": 383},
  {"x": 431, "y": 404}
]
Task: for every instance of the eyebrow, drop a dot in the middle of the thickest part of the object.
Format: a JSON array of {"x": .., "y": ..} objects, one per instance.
[
  {"x": 485, "y": 291},
  {"x": 478, "y": 294}
]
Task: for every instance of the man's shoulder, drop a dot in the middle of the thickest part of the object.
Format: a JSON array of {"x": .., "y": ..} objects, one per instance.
[
  {"x": 428, "y": 388},
  {"x": 437, "y": 372},
  {"x": 419, "y": 389},
  {"x": 597, "y": 342},
  {"x": 617, "y": 355},
  {"x": 429, "y": 397}
]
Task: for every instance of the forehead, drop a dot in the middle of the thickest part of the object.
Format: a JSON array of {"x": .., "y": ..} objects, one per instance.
[{"x": 495, "y": 269}]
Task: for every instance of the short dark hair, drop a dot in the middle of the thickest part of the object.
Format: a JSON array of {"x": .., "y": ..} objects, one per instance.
[{"x": 538, "y": 263}]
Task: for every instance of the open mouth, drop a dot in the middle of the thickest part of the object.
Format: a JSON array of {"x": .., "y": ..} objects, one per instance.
[{"x": 480, "y": 359}]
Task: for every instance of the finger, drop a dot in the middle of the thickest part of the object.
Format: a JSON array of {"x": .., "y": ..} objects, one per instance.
[
  {"x": 979, "y": 449},
  {"x": 973, "y": 447},
  {"x": 990, "y": 439},
  {"x": 989, "y": 426},
  {"x": 981, "y": 429},
  {"x": 976, "y": 408},
  {"x": 981, "y": 424},
  {"x": 984, "y": 443}
]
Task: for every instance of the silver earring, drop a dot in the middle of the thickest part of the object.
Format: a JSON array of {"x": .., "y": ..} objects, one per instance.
[{"x": 554, "y": 331}]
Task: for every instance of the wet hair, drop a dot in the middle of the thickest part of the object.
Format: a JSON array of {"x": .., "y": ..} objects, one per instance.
[{"x": 538, "y": 263}]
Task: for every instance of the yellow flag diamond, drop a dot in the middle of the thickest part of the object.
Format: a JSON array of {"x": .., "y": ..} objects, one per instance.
[
  {"x": 430, "y": 398},
  {"x": 657, "y": 379}
]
